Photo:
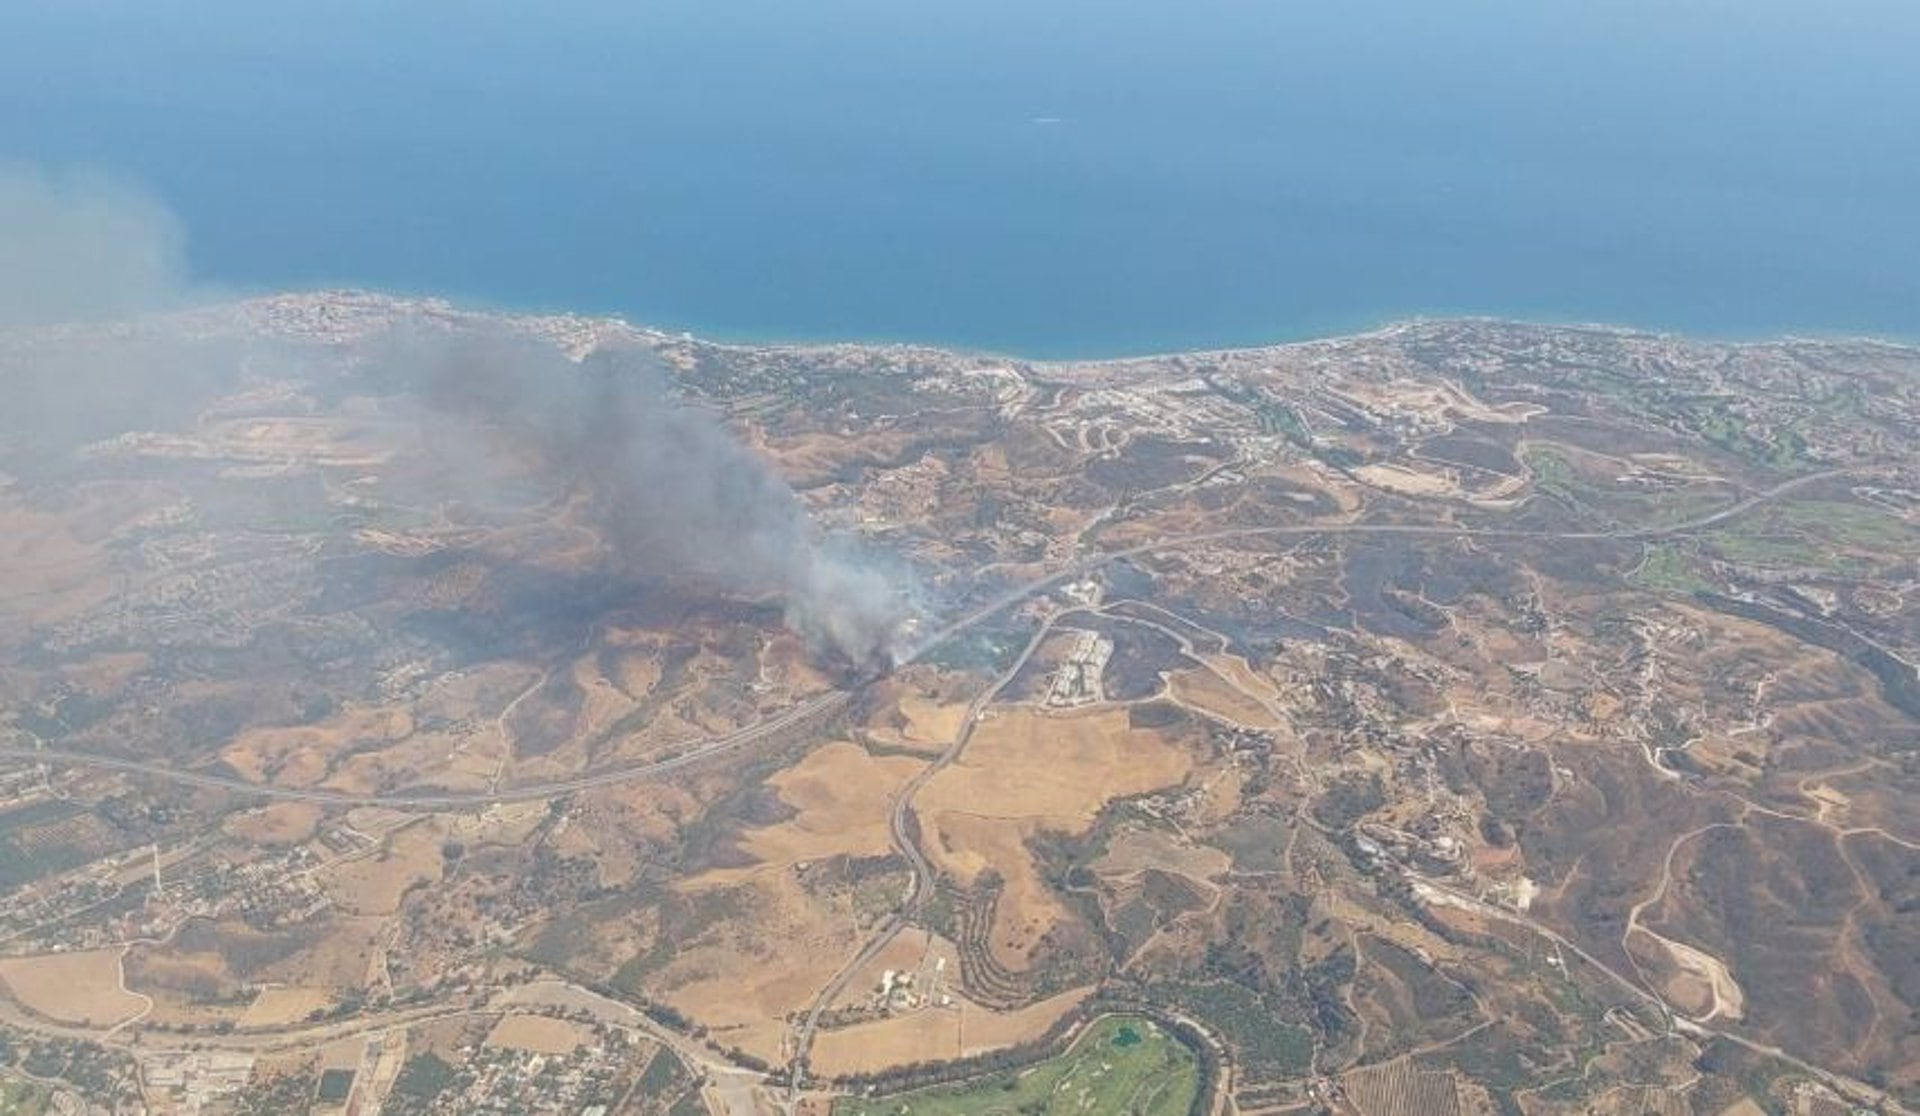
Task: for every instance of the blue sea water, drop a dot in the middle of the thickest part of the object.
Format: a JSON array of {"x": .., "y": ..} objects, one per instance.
[{"x": 1050, "y": 177}]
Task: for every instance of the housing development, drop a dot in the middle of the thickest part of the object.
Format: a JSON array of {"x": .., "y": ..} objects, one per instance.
[{"x": 1465, "y": 717}]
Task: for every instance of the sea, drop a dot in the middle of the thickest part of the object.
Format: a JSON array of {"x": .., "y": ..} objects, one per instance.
[{"x": 1052, "y": 178}]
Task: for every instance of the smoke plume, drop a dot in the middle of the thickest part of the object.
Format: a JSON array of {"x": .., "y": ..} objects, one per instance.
[
  {"x": 81, "y": 246},
  {"x": 671, "y": 491}
]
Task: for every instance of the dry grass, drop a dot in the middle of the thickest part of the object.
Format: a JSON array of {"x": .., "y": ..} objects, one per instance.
[
  {"x": 935, "y": 1034},
  {"x": 1410, "y": 482},
  {"x": 328, "y": 956},
  {"x": 1135, "y": 850},
  {"x": 49, "y": 575},
  {"x": 78, "y": 988},
  {"x": 375, "y": 885},
  {"x": 1058, "y": 770},
  {"x": 745, "y": 975},
  {"x": 911, "y": 950},
  {"x": 275, "y": 1007},
  {"x": 932, "y": 1035},
  {"x": 969, "y": 845},
  {"x": 348, "y": 443},
  {"x": 302, "y": 756},
  {"x": 1204, "y": 690},
  {"x": 919, "y": 710},
  {"x": 283, "y": 823},
  {"x": 929, "y": 722},
  {"x": 536, "y": 1034},
  {"x": 1024, "y": 772},
  {"x": 841, "y": 796},
  {"x": 445, "y": 759}
]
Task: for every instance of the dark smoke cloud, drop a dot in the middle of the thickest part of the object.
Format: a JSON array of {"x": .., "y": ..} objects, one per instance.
[{"x": 671, "y": 491}]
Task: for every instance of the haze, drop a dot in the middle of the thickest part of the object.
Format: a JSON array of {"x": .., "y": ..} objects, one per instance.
[{"x": 1059, "y": 178}]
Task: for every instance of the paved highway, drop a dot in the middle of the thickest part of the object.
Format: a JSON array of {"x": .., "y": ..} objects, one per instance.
[
  {"x": 832, "y": 702},
  {"x": 1087, "y": 565},
  {"x": 821, "y": 706}
]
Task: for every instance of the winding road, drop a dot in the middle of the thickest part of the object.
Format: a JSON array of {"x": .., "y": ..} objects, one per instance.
[
  {"x": 922, "y": 877},
  {"x": 831, "y": 702}
]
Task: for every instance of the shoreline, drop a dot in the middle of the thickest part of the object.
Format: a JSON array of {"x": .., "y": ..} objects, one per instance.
[
  {"x": 1379, "y": 326},
  {"x": 1362, "y": 326},
  {"x": 217, "y": 298}
]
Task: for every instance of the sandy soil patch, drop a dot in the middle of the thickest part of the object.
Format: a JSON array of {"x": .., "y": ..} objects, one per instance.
[
  {"x": 935, "y": 1034},
  {"x": 275, "y": 1007},
  {"x": 1697, "y": 983},
  {"x": 283, "y": 823},
  {"x": 536, "y": 1034},
  {"x": 79, "y": 988},
  {"x": 1408, "y": 482}
]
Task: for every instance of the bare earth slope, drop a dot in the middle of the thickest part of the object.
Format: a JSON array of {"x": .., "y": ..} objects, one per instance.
[{"x": 1463, "y": 717}]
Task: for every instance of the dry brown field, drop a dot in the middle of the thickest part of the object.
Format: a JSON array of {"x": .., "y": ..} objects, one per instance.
[
  {"x": 933, "y": 1034},
  {"x": 743, "y": 977},
  {"x": 49, "y": 574},
  {"x": 1025, "y": 772},
  {"x": 275, "y": 1007},
  {"x": 536, "y": 1034},
  {"x": 302, "y": 756},
  {"x": 840, "y": 794},
  {"x": 375, "y": 884},
  {"x": 1059, "y": 770},
  {"x": 79, "y": 988},
  {"x": 909, "y": 951},
  {"x": 1206, "y": 692},
  {"x": 283, "y": 823},
  {"x": 1135, "y": 850}
]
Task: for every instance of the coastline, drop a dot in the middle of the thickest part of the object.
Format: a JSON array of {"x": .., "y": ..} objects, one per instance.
[{"x": 216, "y": 298}]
